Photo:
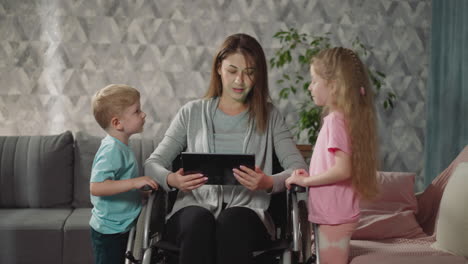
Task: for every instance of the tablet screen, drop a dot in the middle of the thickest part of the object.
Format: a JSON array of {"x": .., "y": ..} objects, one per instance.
[{"x": 216, "y": 166}]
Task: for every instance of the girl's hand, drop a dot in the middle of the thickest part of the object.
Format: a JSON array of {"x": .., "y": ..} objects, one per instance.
[
  {"x": 298, "y": 177},
  {"x": 142, "y": 181},
  {"x": 301, "y": 172},
  {"x": 253, "y": 179},
  {"x": 187, "y": 182}
]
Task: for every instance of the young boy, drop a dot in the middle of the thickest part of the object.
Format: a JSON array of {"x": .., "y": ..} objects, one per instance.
[{"x": 114, "y": 184}]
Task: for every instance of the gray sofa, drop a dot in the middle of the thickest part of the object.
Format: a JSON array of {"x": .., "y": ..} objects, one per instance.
[{"x": 44, "y": 196}]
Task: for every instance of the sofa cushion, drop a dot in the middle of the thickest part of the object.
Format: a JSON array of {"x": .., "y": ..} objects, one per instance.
[
  {"x": 77, "y": 238},
  {"x": 399, "y": 250},
  {"x": 32, "y": 235},
  {"x": 452, "y": 224},
  {"x": 421, "y": 258},
  {"x": 86, "y": 147},
  {"x": 36, "y": 171},
  {"x": 392, "y": 213}
]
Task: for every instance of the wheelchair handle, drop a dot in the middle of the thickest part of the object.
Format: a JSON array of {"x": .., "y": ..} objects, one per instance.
[{"x": 298, "y": 189}]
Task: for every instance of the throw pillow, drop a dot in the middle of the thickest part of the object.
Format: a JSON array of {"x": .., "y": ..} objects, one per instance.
[
  {"x": 36, "y": 171},
  {"x": 452, "y": 225},
  {"x": 86, "y": 146},
  {"x": 392, "y": 213}
]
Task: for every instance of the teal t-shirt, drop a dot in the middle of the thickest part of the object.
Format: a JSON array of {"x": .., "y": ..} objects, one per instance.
[{"x": 116, "y": 213}]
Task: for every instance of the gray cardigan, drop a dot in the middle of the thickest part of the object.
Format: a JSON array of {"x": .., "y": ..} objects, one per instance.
[{"x": 192, "y": 131}]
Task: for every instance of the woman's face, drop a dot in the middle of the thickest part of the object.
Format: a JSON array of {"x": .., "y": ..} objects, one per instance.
[{"x": 237, "y": 77}]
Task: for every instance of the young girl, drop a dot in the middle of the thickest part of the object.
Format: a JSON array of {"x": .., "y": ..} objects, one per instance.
[{"x": 344, "y": 163}]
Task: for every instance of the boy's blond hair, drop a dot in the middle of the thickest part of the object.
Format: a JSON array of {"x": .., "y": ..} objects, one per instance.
[{"x": 111, "y": 101}]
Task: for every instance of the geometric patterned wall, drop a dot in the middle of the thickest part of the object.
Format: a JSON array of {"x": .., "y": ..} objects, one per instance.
[{"x": 55, "y": 54}]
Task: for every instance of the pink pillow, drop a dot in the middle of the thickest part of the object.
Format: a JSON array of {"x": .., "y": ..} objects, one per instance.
[{"x": 392, "y": 213}]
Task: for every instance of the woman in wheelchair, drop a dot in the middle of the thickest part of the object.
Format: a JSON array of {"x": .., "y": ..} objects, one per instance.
[{"x": 226, "y": 223}]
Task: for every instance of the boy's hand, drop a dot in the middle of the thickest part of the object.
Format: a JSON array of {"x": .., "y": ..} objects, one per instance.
[
  {"x": 112, "y": 187},
  {"x": 185, "y": 183},
  {"x": 298, "y": 177},
  {"x": 141, "y": 182}
]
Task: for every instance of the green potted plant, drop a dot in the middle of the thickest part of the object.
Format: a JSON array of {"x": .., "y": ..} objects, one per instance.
[{"x": 296, "y": 51}]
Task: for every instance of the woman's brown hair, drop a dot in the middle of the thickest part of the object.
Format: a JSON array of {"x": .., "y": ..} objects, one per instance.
[{"x": 258, "y": 100}]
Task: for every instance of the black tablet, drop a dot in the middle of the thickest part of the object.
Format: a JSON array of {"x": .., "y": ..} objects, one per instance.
[{"x": 217, "y": 167}]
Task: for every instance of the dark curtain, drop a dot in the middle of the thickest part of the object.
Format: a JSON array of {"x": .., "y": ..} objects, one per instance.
[{"x": 447, "y": 95}]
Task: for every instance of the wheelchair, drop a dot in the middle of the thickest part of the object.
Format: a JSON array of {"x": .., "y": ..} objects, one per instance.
[{"x": 146, "y": 244}]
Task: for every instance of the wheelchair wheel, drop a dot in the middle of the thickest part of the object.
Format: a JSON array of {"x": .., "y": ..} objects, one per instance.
[{"x": 304, "y": 227}]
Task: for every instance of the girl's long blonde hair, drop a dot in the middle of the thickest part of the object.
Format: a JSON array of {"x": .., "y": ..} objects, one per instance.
[{"x": 353, "y": 96}]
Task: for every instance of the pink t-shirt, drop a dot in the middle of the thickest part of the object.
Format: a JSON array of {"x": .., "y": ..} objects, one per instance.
[{"x": 336, "y": 203}]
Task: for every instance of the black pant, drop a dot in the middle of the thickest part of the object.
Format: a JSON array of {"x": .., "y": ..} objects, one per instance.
[
  {"x": 231, "y": 238},
  {"x": 109, "y": 248}
]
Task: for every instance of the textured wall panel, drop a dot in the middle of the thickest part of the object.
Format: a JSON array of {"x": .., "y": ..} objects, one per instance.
[{"x": 55, "y": 54}]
